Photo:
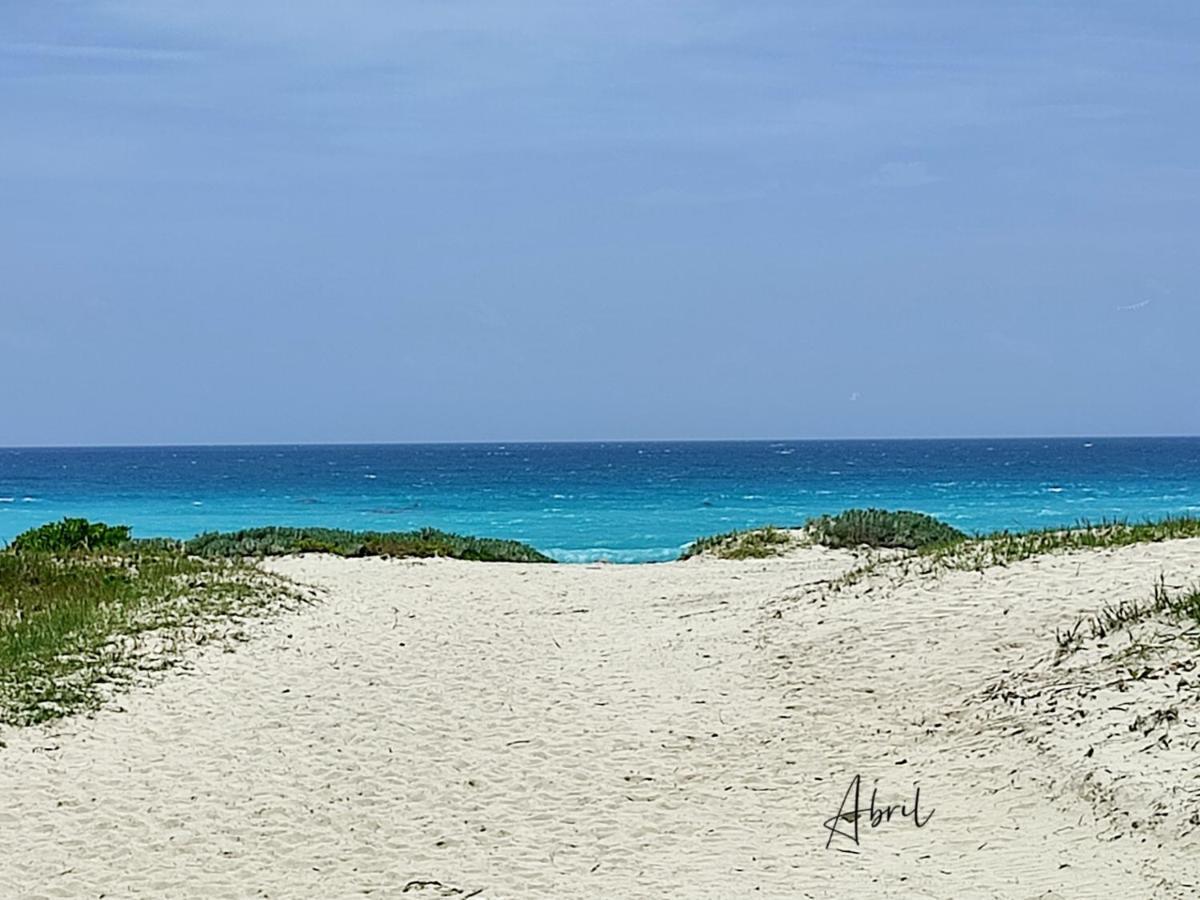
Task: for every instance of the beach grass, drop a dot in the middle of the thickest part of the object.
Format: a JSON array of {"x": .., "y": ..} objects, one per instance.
[
  {"x": 1182, "y": 607},
  {"x": 427, "y": 542},
  {"x": 933, "y": 544},
  {"x": 946, "y": 546},
  {"x": 1004, "y": 548},
  {"x": 882, "y": 528},
  {"x": 75, "y": 624},
  {"x": 85, "y": 607},
  {"x": 756, "y": 543},
  {"x": 935, "y": 539}
]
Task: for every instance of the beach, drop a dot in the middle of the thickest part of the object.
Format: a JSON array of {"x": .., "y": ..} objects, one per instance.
[{"x": 442, "y": 728}]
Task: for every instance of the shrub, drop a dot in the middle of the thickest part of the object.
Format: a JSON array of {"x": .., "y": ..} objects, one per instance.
[
  {"x": 277, "y": 541},
  {"x": 882, "y": 528},
  {"x": 758, "y": 543},
  {"x": 70, "y": 535}
]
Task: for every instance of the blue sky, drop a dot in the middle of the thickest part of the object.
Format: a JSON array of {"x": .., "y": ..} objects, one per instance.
[{"x": 379, "y": 221}]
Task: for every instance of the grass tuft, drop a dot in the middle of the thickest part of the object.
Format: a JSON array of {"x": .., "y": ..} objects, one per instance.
[
  {"x": 882, "y": 528},
  {"x": 85, "y": 608},
  {"x": 74, "y": 625},
  {"x": 424, "y": 543},
  {"x": 1183, "y": 607},
  {"x": 1004, "y": 548},
  {"x": 757, "y": 543}
]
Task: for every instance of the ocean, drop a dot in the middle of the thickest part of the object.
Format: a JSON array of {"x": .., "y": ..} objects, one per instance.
[{"x": 624, "y": 502}]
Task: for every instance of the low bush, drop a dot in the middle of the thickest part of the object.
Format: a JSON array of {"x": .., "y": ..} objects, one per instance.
[
  {"x": 427, "y": 542},
  {"x": 758, "y": 543},
  {"x": 71, "y": 535},
  {"x": 882, "y": 528}
]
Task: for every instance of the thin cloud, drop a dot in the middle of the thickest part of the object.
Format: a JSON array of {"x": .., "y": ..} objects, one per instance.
[
  {"x": 699, "y": 197},
  {"x": 903, "y": 175},
  {"x": 100, "y": 52},
  {"x": 1131, "y": 306}
]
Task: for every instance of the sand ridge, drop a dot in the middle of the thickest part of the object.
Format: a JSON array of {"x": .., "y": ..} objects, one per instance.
[{"x": 443, "y": 728}]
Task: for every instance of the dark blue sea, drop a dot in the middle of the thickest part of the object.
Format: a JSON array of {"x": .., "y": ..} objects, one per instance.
[{"x": 625, "y": 502}]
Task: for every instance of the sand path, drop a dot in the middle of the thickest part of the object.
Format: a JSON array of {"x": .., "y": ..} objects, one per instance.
[{"x": 441, "y": 728}]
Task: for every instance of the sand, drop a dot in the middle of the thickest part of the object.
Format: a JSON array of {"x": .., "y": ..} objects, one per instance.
[{"x": 451, "y": 729}]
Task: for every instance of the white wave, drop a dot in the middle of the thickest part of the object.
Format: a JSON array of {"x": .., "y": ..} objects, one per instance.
[{"x": 612, "y": 554}]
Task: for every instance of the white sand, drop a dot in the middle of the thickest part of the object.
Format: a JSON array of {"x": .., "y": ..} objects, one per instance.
[{"x": 678, "y": 730}]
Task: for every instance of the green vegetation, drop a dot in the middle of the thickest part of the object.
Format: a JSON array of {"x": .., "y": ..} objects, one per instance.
[
  {"x": 72, "y": 534},
  {"x": 1004, "y": 547},
  {"x": 950, "y": 547},
  {"x": 757, "y": 543},
  {"x": 75, "y": 624},
  {"x": 85, "y": 608},
  {"x": 1126, "y": 614},
  {"x": 424, "y": 543},
  {"x": 882, "y": 528},
  {"x": 933, "y": 545}
]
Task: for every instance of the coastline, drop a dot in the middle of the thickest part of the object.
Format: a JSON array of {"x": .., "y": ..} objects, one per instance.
[
  {"x": 625, "y": 502},
  {"x": 686, "y": 728}
]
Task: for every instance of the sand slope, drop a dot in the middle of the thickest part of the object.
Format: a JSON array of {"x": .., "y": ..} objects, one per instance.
[{"x": 449, "y": 729}]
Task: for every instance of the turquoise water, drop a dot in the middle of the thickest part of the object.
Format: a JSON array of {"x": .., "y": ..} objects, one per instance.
[{"x": 627, "y": 502}]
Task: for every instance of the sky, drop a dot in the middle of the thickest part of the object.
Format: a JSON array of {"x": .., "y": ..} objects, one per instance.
[{"x": 230, "y": 222}]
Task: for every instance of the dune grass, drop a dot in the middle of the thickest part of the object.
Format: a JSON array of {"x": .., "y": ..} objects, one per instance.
[
  {"x": 424, "y": 543},
  {"x": 1004, "y": 548},
  {"x": 933, "y": 545},
  {"x": 884, "y": 528},
  {"x": 85, "y": 607},
  {"x": 755, "y": 543},
  {"x": 935, "y": 539},
  {"x": 73, "y": 625},
  {"x": 1182, "y": 607}
]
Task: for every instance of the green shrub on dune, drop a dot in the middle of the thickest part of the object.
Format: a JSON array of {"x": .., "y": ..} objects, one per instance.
[
  {"x": 852, "y": 528},
  {"x": 80, "y": 535},
  {"x": 70, "y": 535},
  {"x": 1004, "y": 547},
  {"x": 75, "y": 595},
  {"x": 882, "y": 528},
  {"x": 424, "y": 543},
  {"x": 756, "y": 543}
]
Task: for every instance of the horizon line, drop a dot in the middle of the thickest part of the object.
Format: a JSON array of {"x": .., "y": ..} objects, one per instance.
[{"x": 567, "y": 442}]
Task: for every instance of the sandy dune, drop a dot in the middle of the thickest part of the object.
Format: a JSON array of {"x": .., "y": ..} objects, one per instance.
[{"x": 449, "y": 729}]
